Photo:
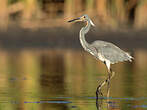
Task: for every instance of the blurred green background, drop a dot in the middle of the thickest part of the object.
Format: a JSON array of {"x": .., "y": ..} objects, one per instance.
[{"x": 43, "y": 66}]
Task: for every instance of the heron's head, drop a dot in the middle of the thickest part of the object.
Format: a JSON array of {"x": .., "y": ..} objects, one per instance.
[{"x": 83, "y": 18}]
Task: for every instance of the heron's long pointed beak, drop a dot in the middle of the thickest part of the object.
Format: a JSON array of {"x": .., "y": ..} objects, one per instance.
[{"x": 74, "y": 19}]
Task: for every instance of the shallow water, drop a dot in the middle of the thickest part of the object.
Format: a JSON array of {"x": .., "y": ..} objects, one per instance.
[{"x": 67, "y": 79}]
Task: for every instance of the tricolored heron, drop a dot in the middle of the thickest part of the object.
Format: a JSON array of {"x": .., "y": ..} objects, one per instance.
[{"x": 102, "y": 50}]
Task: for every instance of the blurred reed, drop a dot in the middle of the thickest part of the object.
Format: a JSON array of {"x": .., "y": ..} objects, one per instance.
[{"x": 40, "y": 13}]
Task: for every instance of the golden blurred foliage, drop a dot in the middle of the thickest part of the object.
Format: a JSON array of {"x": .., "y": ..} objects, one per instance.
[
  {"x": 113, "y": 13},
  {"x": 31, "y": 8},
  {"x": 141, "y": 16},
  {"x": 3, "y": 14}
]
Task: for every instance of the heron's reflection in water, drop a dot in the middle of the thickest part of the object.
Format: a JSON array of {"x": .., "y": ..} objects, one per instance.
[
  {"x": 107, "y": 104},
  {"x": 99, "y": 103}
]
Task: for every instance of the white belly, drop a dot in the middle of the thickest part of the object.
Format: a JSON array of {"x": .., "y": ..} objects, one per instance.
[
  {"x": 106, "y": 61},
  {"x": 101, "y": 57}
]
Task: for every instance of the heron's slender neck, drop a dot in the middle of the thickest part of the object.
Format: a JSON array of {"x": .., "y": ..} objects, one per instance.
[{"x": 83, "y": 31}]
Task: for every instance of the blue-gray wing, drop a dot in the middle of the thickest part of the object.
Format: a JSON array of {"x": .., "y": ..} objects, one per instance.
[{"x": 111, "y": 52}]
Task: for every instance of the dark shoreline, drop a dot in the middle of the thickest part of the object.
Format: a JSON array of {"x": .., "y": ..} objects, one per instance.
[{"x": 18, "y": 38}]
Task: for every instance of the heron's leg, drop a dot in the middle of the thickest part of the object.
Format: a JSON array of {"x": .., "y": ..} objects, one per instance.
[
  {"x": 110, "y": 76},
  {"x": 108, "y": 84},
  {"x": 98, "y": 90}
]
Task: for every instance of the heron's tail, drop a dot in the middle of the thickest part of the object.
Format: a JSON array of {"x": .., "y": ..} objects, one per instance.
[{"x": 130, "y": 58}]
